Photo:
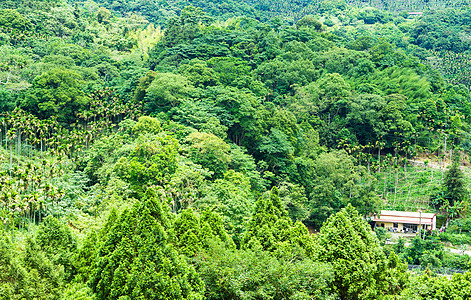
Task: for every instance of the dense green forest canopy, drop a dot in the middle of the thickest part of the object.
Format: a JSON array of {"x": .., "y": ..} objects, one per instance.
[{"x": 231, "y": 149}]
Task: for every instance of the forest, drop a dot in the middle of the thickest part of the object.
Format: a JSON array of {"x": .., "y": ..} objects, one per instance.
[{"x": 225, "y": 149}]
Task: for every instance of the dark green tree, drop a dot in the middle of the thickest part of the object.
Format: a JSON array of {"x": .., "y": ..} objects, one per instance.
[
  {"x": 58, "y": 243},
  {"x": 455, "y": 185},
  {"x": 58, "y": 93}
]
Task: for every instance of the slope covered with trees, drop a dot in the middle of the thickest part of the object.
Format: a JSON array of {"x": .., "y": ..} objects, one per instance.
[{"x": 154, "y": 150}]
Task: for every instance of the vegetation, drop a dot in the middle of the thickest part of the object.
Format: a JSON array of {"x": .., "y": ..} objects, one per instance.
[{"x": 231, "y": 149}]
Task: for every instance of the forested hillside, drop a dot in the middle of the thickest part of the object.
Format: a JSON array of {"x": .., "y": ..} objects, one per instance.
[{"x": 231, "y": 149}]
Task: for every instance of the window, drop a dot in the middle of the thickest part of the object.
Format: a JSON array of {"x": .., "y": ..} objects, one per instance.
[{"x": 395, "y": 225}]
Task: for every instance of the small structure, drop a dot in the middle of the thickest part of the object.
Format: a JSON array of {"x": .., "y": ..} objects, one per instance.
[
  {"x": 404, "y": 221},
  {"x": 415, "y": 13}
]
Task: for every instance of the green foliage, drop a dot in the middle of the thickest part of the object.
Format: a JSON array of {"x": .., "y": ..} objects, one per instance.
[
  {"x": 147, "y": 125},
  {"x": 295, "y": 200},
  {"x": 329, "y": 101},
  {"x": 56, "y": 93},
  {"x": 242, "y": 274},
  {"x": 272, "y": 230},
  {"x": 309, "y": 21},
  {"x": 10, "y": 18},
  {"x": 428, "y": 252},
  {"x": 198, "y": 72},
  {"x": 78, "y": 291},
  {"x": 150, "y": 162},
  {"x": 58, "y": 243},
  {"x": 209, "y": 151},
  {"x": 232, "y": 199},
  {"x": 194, "y": 233},
  {"x": 334, "y": 182},
  {"x": 46, "y": 279},
  {"x": 85, "y": 259},
  {"x": 455, "y": 186},
  {"x": 14, "y": 279},
  {"x": 427, "y": 286},
  {"x": 166, "y": 90},
  {"x": 136, "y": 259},
  {"x": 359, "y": 264},
  {"x": 382, "y": 234}
]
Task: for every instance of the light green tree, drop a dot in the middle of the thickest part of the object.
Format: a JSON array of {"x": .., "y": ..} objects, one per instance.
[
  {"x": 271, "y": 229},
  {"x": 136, "y": 260},
  {"x": 359, "y": 263}
]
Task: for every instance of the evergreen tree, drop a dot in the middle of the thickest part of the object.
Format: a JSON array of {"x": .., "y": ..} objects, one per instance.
[
  {"x": 359, "y": 263},
  {"x": 137, "y": 262},
  {"x": 194, "y": 233},
  {"x": 56, "y": 240},
  {"x": 454, "y": 185},
  {"x": 13, "y": 276},
  {"x": 271, "y": 229}
]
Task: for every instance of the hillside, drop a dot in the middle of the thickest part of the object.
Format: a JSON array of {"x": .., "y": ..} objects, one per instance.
[{"x": 149, "y": 149}]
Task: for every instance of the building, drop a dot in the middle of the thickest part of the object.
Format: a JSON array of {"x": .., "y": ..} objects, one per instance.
[
  {"x": 418, "y": 13},
  {"x": 403, "y": 221}
]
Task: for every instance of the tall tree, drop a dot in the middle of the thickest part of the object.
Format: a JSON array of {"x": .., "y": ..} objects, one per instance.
[
  {"x": 271, "y": 229},
  {"x": 455, "y": 185},
  {"x": 57, "y": 92},
  {"x": 137, "y": 262},
  {"x": 359, "y": 263}
]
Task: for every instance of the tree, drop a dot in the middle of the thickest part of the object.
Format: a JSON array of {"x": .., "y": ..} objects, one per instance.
[
  {"x": 276, "y": 149},
  {"x": 27, "y": 273},
  {"x": 455, "y": 185},
  {"x": 430, "y": 286},
  {"x": 194, "y": 233},
  {"x": 185, "y": 28},
  {"x": 231, "y": 197},
  {"x": 455, "y": 193},
  {"x": 359, "y": 263},
  {"x": 364, "y": 117},
  {"x": 209, "y": 151},
  {"x": 166, "y": 91},
  {"x": 229, "y": 69},
  {"x": 332, "y": 181},
  {"x": 58, "y": 243},
  {"x": 309, "y": 21},
  {"x": 198, "y": 72},
  {"x": 254, "y": 274},
  {"x": 151, "y": 161},
  {"x": 271, "y": 229},
  {"x": 136, "y": 260},
  {"x": 14, "y": 278},
  {"x": 12, "y": 19},
  {"x": 58, "y": 93},
  {"x": 147, "y": 125}
]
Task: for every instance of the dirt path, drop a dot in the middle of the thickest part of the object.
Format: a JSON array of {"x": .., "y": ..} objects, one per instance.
[{"x": 459, "y": 251}]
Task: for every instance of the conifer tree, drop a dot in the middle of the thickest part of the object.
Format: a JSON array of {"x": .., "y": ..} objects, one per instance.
[
  {"x": 194, "y": 233},
  {"x": 271, "y": 229},
  {"x": 58, "y": 243},
  {"x": 455, "y": 186},
  {"x": 351, "y": 247},
  {"x": 137, "y": 262}
]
